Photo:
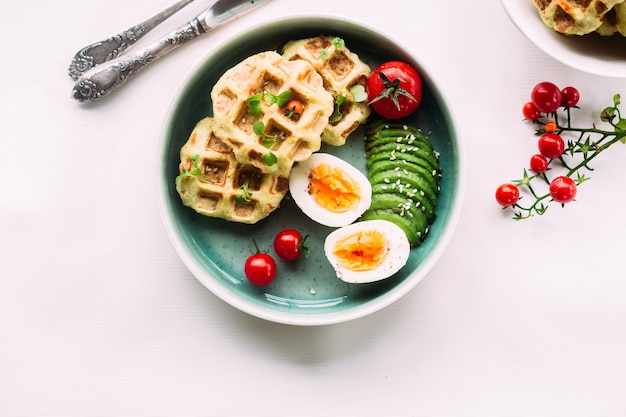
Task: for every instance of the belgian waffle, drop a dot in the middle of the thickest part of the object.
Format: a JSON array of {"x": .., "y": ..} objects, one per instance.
[
  {"x": 340, "y": 69},
  {"x": 290, "y": 139},
  {"x": 223, "y": 187},
  {"x": 614, "y": 21},
  {"x": 575, "y": 17}
]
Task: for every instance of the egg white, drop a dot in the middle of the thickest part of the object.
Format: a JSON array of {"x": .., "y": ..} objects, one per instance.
[
  {"x": 299, "y": 189},
  {"x": 396, "y": 243}
]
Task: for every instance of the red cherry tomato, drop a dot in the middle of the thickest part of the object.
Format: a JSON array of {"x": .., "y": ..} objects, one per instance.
[
  {"x": 538, "y": 163},
  {"x": 569, "y": 97},
  {"x": 530, "y": 112},
  {"x": 294, "y": 109},
  {"x": 507, "y": 194},
  {"x": 563, "y": 189},
  {"x": 551, "y": 145},
  {"x": 546, "y": 97},
  {"x": 289, "y": 245},
  {"x": 394, "y": 90},
  {"x": 260, "y": 269}
]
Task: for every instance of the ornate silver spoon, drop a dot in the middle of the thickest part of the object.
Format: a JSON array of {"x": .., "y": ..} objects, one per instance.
[
  {"x": 102, "y": 51},
  {"x": 101, "y": 80}
]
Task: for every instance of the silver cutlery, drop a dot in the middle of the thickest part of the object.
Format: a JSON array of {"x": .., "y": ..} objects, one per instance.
[
  {"x": 103, "y": 79},
  {"x": 102, "y": 51}
]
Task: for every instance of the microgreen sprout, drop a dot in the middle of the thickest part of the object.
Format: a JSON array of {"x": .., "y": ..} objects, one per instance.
[
  {"x": 245, "y": 195},
  {"x": 193, "y": 171},
  {"x": 267, "y": 141},
  {"x": 337, "y": 42},
  {"x": 255, "y": 101},
  {"x": 254, "y": 104},
  {"x": 280, "y": 100},
  {"x": 336, "y": 116},
  {"x": 358, "y": 93}
]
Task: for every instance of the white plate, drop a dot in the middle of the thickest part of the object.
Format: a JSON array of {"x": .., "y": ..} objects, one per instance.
[{"x": 595, "y": 54}]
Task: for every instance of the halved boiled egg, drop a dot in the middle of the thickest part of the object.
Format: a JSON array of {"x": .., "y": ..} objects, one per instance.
[
  {"x": 329, "y": 190},
  {"x": 367, "y": 251}
]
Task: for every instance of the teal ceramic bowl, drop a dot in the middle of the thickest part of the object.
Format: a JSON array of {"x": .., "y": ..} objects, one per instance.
[{"x": 305, "y": 292}]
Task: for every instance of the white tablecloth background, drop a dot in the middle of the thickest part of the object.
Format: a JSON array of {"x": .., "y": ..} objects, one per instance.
[{"x": 99, "y": 316}]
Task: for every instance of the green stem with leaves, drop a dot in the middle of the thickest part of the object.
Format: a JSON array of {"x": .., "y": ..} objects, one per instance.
[{"x": 582, "y": 145}]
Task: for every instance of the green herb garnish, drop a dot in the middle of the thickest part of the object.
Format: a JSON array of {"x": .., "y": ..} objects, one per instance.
[
  {"x": 337, "y": 42},
  {"x": 194, "y": 171},
  {"x": 358, "y": 93},
  {"x": 245, "y": 195},
  {"x": 255, "y": 102},
  {"x": 336, "y": 116},
  {"x": 267, "y": 141}
]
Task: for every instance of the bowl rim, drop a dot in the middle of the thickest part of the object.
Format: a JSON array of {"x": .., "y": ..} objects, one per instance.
[
  {"x": 553, "y": 43},
  {"x": 326, "y": 318}
]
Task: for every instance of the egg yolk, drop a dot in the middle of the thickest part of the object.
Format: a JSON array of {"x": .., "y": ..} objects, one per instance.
[
  {"x": 361, "y": 251},
  {"x": 333, "y": 189}
]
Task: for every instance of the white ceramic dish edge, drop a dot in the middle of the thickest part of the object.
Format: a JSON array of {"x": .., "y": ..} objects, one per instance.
[{"x": 577, "y": 52}]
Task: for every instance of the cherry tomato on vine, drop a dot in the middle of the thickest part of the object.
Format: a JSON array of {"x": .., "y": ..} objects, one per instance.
[
  {"x": 546, "y": 97},
  {"x": 563, "y": 189},
  {"x": 550, "y": 126},
  {"x": 569, "y": 97},
  {"x": 289, "y": 245},
  {"x": 260, "y": 268},
  {"x": 551, "y": 145},
  {"x": 394, "y": 89},
  {"x": 530, "y": 112},
  {"x": 507, "y": 194},
  {"x": 538, "y": 163}
]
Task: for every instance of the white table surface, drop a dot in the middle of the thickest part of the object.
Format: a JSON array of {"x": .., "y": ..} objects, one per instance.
[{"x": 99, "y": 316}]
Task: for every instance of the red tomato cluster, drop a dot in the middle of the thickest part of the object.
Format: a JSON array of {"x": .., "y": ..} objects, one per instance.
[
  {"x": 546, "y": 99},
  {"x": 260, "y": 268}
]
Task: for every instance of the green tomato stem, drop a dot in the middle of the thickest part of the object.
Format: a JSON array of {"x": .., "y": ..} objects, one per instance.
[{"x": 588, "y": 150}]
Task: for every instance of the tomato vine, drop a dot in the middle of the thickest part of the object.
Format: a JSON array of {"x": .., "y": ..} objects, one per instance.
[{"x": 582, "y": 146}]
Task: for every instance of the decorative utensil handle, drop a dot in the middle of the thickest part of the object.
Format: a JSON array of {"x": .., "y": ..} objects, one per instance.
[
  {"x": 103, "y": 51},
  {"x": 100, "y": 81}
]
